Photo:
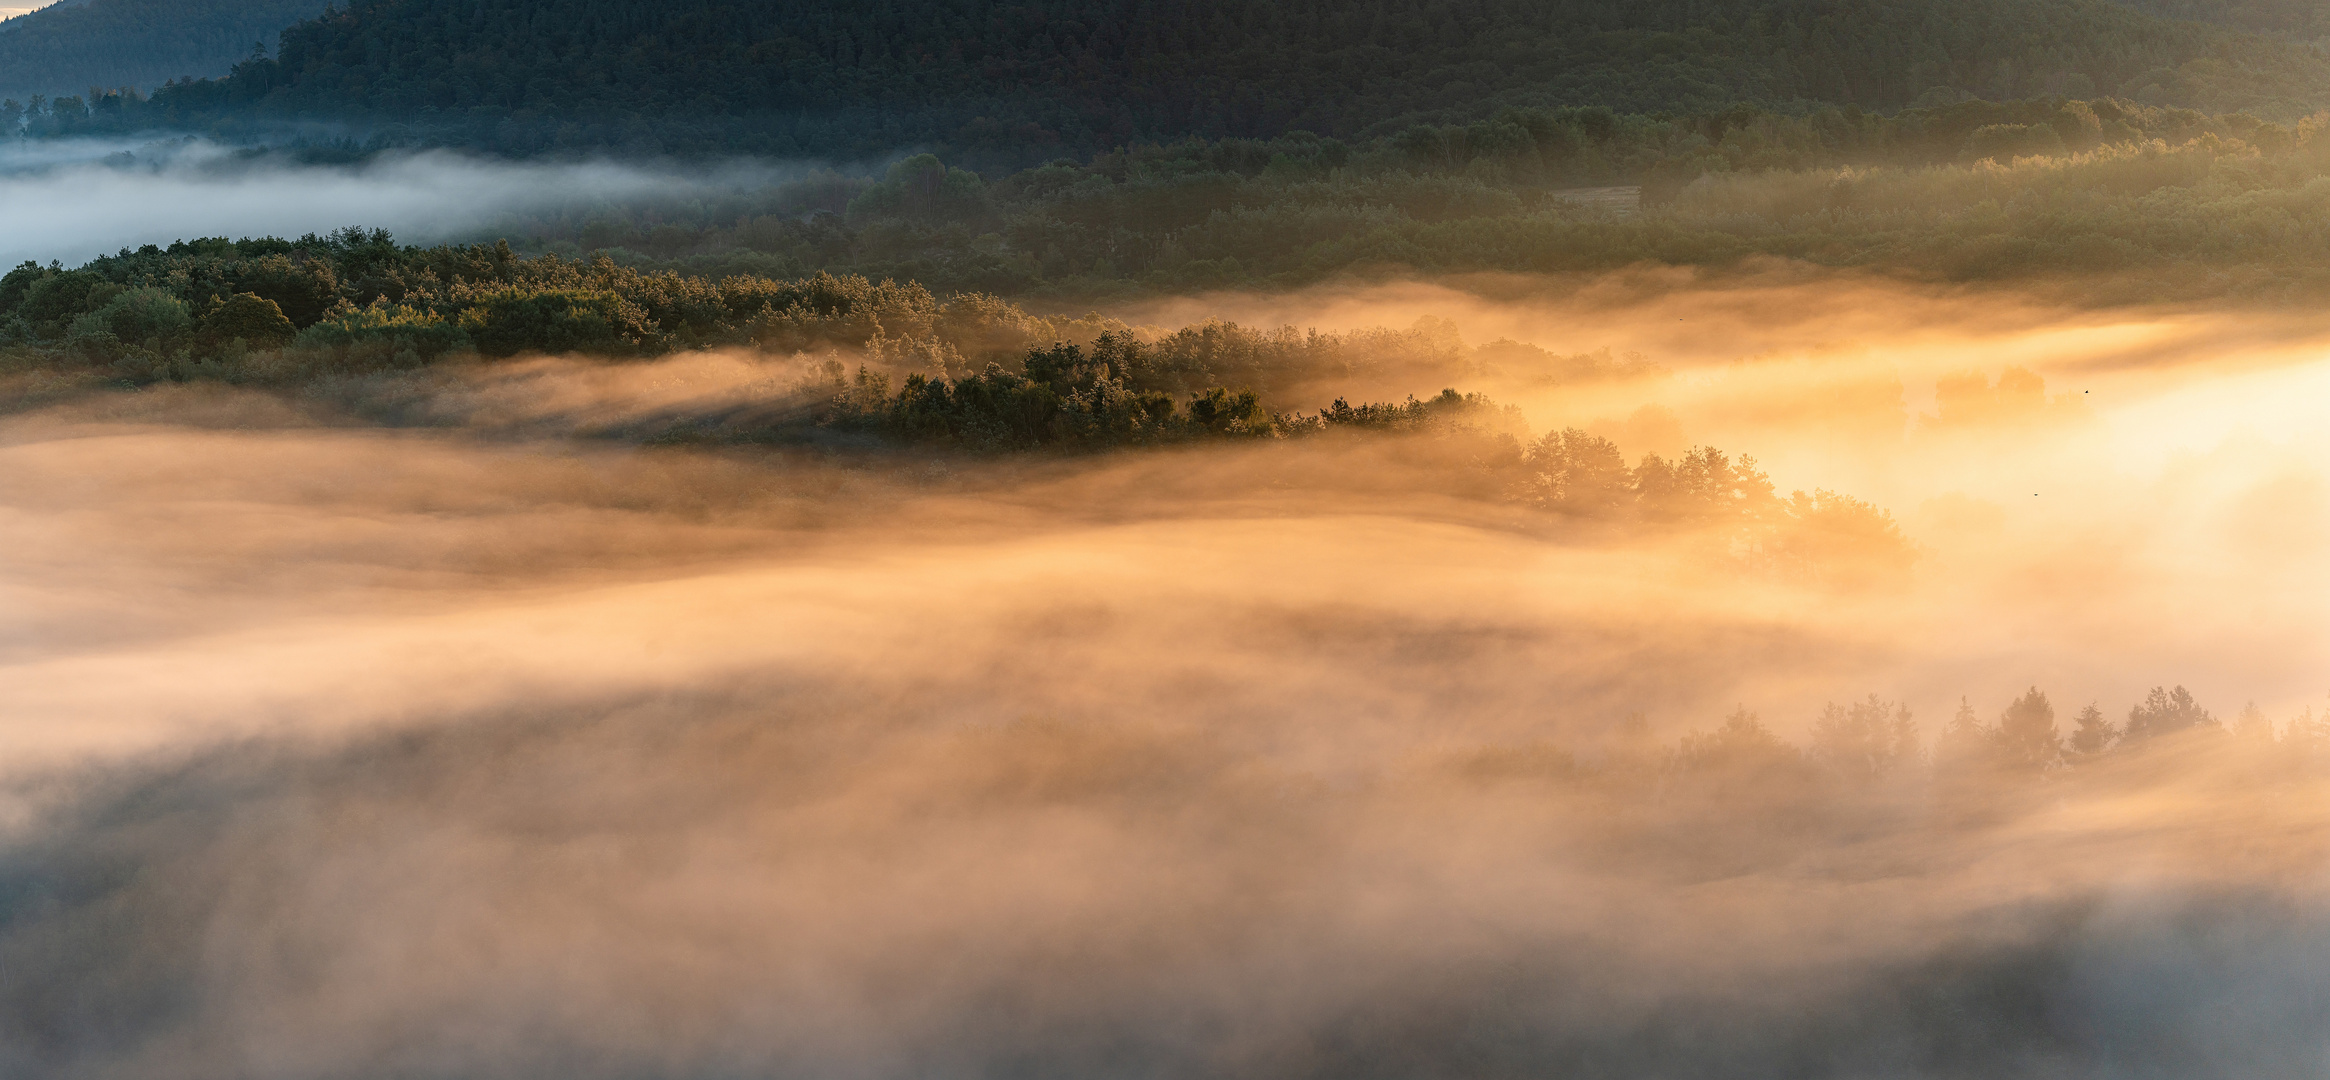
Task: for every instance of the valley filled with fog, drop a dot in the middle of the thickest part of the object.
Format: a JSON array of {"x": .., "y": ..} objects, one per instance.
[
  {"x": 609, "y": 540},
  {"x": 369, "y": 707}
]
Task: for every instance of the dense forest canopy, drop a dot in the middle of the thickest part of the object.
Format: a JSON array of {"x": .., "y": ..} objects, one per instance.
[
  {"x": 2108, "y": 195},
  {"x": 2162, "y": 199},
  {"x": 1006, "y": 85},
  {"x": 67, "y": 48}
]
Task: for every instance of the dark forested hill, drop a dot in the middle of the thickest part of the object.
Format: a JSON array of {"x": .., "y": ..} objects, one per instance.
[
  {"x": 999, "y": 82},
  {"x": 2309, "y": 19},
  {"x": 113, "y": 43}
]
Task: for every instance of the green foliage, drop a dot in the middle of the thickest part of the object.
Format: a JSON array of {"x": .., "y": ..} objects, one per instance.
[
  {"x": 920, "y": 188},
  {"x": 143, "y": 316},
  {"x": 515, "y": 319},
  {"x": 358, "y": 301},
  {"x": 47, "y": 301},
  {"x": 254, "y": 320},
  {"x": 302, "y": 289},
  {"x": 979, "y": 373},
  {"x": 1067, "y": 397},
  {"x": 383, "y": 335},
  {"x": 1222, "y": 411}
]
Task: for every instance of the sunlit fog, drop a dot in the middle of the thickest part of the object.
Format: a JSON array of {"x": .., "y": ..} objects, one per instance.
[
  {"x": 1185, "y": 753},
  {"x": 616, "y": 540}
]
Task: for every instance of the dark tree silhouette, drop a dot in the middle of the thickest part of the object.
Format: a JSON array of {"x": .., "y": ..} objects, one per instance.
[
  {"x": 2166, "y": 712},
  {"x": 2026, "y": 738},
  {"x": 1865, "y": 740},
  {"x": 2091, "y": 734}
]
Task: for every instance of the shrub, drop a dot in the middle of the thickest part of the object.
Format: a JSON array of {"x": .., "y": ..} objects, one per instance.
[
  {"x": 149, "y": 317},
  {"x": 385, "y": 335},
  {"x": 509, "y": 321},
  {"x": 252, "y": 319}
]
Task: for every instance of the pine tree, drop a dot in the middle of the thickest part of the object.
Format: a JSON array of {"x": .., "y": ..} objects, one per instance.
[
  {"x": 2166, "y": 712},
  {"x": 1965, "y": 745},
  {"x": 2304, "y": 739},
  {"x": 2091, "y": 734},
  {"x": 2026, "y": 738},
  {"x": 2252, "y": 726},
  {"x": 1866, "y": 740}
]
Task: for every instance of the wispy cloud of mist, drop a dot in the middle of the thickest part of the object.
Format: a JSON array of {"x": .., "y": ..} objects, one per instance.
[
  {"x": 2171, "y": 460},
  {"x": 485, "y": 746},
  {"x": 73, "y": 200}
]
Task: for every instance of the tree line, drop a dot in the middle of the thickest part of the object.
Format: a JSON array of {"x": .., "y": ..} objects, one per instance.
[
  {"x": 979, "y": 374},
  {"x": 355, "y": 299},
  {"x": 1113, "y": 395},
  {"x": 1975, "y": 191},
  {"x": 1871, "y": 750}
]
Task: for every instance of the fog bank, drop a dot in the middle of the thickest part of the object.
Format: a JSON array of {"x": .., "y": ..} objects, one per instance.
[
  {"x": 437, "y": 723},
  {"x": 74, "y": 200}
]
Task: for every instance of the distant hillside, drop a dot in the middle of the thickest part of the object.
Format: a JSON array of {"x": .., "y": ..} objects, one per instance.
[
  {"x": 2308, "y": 19},
  {"x": 998, "y": 83},
  {"x": 68, "y": 48}
]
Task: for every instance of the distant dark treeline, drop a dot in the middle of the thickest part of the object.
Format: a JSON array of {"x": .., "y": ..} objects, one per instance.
[
  {"x": 2303, "y": 18},
  {"x": 1873, "y": 745},
  {"x": 140, "y": 43},
  {"x": 996, "y": 86},
  {"x": 1973, "y": 191}
]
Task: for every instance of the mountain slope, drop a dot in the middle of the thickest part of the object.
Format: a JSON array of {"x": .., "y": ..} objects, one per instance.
[
  {"x": 1019, "y": 80},
  {"x": 68, "y": 48},
  {"x": 2308, "y": 19}
]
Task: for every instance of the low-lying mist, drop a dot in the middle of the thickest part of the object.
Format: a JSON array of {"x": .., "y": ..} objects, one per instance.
[
  {"x": 76, "y": 199},
  {"x": 439, "y": 723}
]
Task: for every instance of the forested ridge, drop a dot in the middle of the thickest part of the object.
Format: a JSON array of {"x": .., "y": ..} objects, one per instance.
[
  {"x": 828, "y": 538},
  {"x": 66, "y": 48},
  {"x": 972, "y": 373},
  {"x": 1006, "y": 85},
  {"x": 2152, "y": 200}
]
